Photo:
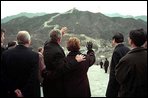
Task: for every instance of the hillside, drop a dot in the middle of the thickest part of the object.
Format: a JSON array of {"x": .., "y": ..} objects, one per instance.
[
  {"x": 141, "y": 17},
  {"x": 83, "y": 24}
]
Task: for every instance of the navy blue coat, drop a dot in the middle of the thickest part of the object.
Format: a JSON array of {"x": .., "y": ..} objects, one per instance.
[
  {"x": 20, "y": 71},
  {"x": 113, "y": 86}
]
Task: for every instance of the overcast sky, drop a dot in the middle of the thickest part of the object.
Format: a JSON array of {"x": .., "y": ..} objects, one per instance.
[{"x": 134, "y": 8}]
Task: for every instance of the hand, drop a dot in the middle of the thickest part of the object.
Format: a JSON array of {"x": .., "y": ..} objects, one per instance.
[
  {"x": 80, "y": 58},
  {"x": 18, "y": 93},
  {"x": 64, "y": 30},
  {"x": 89, "y": 45}
]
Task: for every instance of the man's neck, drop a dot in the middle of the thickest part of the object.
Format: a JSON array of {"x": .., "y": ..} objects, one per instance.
[
  {"x": 133, "y": 46},
  {"x": 26, "y": 45},
  {"x": 118, "y": 44}
]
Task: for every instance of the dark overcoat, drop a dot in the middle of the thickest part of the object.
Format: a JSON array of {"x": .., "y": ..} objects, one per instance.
[
  {"x": 76, "y": 83},
  {"x": 55, "y": 59},
  {"x": 113, "y": 86},
  {"x": 131, "y": 73},
  {"x": 20, "y": 67}
]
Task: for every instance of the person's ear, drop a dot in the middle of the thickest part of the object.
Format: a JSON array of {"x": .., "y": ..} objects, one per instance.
[
  {"x": 129, "y": 41},
  {"x": 29, "y": 42},
  {"x": 113, "y": 42},
  {"x": 59, "y": 40}
]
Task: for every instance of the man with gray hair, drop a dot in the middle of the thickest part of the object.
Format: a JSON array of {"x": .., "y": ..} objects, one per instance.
[
  {"x": 55, "y": 61},
  {"x": 20, "y": 69},
  {"x": 23, "y": 37}
]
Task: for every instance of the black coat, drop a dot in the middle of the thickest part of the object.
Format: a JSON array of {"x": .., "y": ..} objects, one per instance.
[
  {"x": 2, "y": 49},
  {"x": 106, "y": 64},
  {"x": 113, "y": 86},
  {"x": 76, "y": 83},
  {"x": 55, "y": 59},
  {"x": 3, "y": 91},
  {"x": 131, "y": 73},
  {"x": 20, "y": 71}
]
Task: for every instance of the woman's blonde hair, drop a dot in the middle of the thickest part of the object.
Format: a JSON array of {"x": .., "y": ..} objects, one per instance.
[{"x": 73, "y": 44}]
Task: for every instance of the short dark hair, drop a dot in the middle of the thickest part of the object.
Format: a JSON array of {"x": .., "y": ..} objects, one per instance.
[
  {"x": 138, "y": 37},
  {"x": 118, "y": 38},
  {"x": 40, "y": 49},
  {"x": 12, "y": 43}
]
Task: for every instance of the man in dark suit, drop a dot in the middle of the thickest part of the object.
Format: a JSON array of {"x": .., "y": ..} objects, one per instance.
[
  {"x": 2, "y": 88},
  {"x": 106, "y": 64},
  {"x": 101, "y": 63},
  {"x": 119, "y": 51},
  {"x": 20, "y": 69},
  {"x": 131, "y": 71},
  {"x": 54, "y": 58}
]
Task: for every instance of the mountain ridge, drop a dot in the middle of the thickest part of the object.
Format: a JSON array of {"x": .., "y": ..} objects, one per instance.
[
  {"x": 142, "y": 17},
  {"x": 94, "y": 25},
  {"x": 30, "y": 15}
]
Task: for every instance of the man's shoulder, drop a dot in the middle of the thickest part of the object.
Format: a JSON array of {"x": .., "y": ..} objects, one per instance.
[
  {"x": 7, "y": 51},
  {"x": 51, "y": 46},
  {"x": 127, "y": 57},
  {"x": 30, "y": 52},
  {"x": 35, "y": 53},
  {"x": 26, "y": 50},
  {"x": 121, "y": 48}
]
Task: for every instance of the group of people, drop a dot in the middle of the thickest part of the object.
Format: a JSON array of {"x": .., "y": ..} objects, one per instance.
[
  {"x": 23, "y": 70},
  {"x": 104, "y": 65},
  {"x": 128, "y": 68}
]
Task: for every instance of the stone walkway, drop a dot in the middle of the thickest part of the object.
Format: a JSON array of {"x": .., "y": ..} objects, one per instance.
[{"x": 98, "y": 80}]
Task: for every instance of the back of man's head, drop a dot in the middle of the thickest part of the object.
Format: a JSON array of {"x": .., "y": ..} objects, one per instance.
[
  {"x": 118, "y": 37},
  {"x": 138, "y": 37},
  {"x": 55, "y": 35},
  {"x": 23, "y": 37}
]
